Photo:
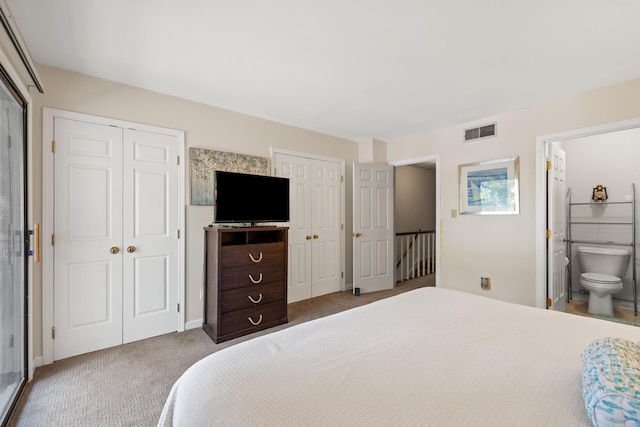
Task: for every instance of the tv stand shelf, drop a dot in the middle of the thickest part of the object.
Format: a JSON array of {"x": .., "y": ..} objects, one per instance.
[
  {"x": 250, "y": 235},
  {"x": 245, "y": 280}
]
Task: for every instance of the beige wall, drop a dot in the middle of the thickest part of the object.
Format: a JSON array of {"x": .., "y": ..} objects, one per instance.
[
  {"x": 204, "y": 126},
  {"x": 502, "y": 247},
  {"x": 372, "y": 151}
]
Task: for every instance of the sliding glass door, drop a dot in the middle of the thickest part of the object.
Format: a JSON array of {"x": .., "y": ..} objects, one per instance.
[{"x": 13, "y": 240}]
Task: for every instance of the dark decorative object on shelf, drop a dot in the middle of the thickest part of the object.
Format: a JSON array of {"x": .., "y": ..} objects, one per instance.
[{"x": 599, "y": 194}]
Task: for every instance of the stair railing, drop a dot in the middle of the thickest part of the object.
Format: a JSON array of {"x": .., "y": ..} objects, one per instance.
[{"x": 416, "y": 254}]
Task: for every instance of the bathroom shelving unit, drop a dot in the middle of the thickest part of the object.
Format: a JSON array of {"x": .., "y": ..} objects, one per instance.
[{"x": 631, "y": 222}]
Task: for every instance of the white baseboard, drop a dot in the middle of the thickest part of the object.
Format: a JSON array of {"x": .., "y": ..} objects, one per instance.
[
  {"x": 35, "y": 363},
  {"x": 193, "y": 324}
]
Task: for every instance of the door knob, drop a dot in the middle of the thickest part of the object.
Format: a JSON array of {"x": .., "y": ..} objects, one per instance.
[
  {"x": 308, "y": 237},
  {"x": 114, "y": 250},
  {"x": 357, "y": 234},
  {"x": 131, "y": 249},
  {"x": 315, "y": 236}
]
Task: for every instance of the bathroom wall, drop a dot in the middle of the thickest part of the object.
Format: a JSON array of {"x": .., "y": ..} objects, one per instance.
[{"x": 607, "y": 160}]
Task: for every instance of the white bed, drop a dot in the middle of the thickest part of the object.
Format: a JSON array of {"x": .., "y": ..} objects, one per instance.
[{"x": 430, "y": 357}]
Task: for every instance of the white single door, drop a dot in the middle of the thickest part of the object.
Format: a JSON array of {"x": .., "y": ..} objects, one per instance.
[
  {"x": 326, "y": 265},
  {"x": 150, "y": 240},
  {"x": 115, "y": 228},
  {"x": 372, "y": 227},
  {"x": 88, "y": 237},
  {"x": 556, "y": 203},
  {"x": 298, "y": 170}
]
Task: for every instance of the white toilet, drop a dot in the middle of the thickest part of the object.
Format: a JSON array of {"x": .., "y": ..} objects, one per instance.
[{"x": 602, "y": 270}]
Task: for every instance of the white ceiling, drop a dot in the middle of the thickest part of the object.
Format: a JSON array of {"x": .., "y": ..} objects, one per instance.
[{"x": 358, "y": 69}]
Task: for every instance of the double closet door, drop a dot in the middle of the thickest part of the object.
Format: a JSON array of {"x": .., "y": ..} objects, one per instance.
[
  {"x": 315, "y": 227},
  {"x": 115, "y": 236}
]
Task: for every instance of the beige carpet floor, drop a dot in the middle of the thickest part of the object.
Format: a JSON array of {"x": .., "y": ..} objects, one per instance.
[{"x": 128, "y": 385}]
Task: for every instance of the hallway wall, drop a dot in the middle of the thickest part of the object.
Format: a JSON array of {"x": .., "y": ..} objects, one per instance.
[{"x": 415, "y": 204}]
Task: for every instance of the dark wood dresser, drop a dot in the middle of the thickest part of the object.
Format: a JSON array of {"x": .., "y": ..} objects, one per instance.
[{"x": 245, "y": 280}]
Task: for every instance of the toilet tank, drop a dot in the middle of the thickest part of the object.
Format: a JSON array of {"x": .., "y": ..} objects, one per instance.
[{"x": 612, "y": 261}]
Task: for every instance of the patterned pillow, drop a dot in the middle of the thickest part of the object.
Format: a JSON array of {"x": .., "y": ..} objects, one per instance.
[{"x": 611, "y": 382}]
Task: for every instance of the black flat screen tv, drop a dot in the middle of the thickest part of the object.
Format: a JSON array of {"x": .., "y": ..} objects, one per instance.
[{"x": 245, "y": 198}]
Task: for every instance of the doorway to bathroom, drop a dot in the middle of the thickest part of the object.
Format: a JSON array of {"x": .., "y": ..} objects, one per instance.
[{"x": 606, "y": 156}]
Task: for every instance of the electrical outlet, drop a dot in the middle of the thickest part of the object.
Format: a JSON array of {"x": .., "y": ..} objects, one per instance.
[{"x": 485, "y": 283}]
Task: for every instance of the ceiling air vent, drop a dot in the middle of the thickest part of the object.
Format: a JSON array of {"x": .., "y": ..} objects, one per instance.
[{"x": 485, "y": 131}]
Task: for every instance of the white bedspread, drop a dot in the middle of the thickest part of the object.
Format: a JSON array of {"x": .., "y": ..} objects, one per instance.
[{"x": 429, "y": 357}]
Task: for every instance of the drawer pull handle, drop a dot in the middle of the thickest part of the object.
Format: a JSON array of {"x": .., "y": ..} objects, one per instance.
[
  {"x": 255, "y": 323},
  {"x": 255, "y": 282},
  {"x": 254, "y": 301},
  {"x": 255, "y": 260}
]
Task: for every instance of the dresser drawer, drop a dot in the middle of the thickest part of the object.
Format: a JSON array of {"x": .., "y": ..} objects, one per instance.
[
  {"x": 254, "y": 254},
  {"x": 251, "y": 296},
  {"x": 250, "y": 275},
  {"x": 253, "y": 317}
]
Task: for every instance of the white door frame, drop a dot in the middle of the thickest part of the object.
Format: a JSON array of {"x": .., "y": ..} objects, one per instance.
[
  {"x": 435, "y": 158},
  {"x": 48, "y": 115},
  {"x": 275, "y": 150},
  {"x": 541, "y": 193}
]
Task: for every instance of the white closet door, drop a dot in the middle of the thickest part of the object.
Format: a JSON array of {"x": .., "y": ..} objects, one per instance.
[
  {"x": 326, "y": 265},
  {"x": 150, "y": 241},
  {"x": 88, "y": 228},
  {"x": 116, "y": 245},
  {"x": 298, "y": 170}
]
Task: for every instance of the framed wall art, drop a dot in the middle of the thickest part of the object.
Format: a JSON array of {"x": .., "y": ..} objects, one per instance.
[
  {"x": 490, "y": 187},
  {"x": 205, "y": 162}
]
